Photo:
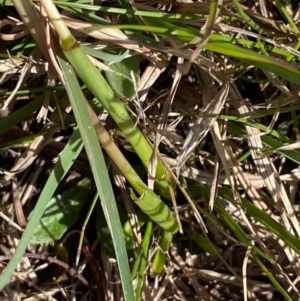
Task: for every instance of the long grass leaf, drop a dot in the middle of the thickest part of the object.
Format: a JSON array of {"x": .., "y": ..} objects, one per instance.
[
  {"x": 100, "y": 174},
  {"x": 19, "y": 115},
  {"x": 64, "y": 163}
]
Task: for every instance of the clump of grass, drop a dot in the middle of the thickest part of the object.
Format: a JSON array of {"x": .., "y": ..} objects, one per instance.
[{"x": 206, "y": 90}]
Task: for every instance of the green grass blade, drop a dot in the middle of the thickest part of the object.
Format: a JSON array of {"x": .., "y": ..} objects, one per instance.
[
  {"x": 100, "y": 173},
  {"x": 273, "y": 226},
  {"x": 273, "y": 279},
  {"x": 232, "y": 224},
  {"x": 64, "y": 163},
  {"x": 19, "y": 115},
  {"x": 86, "y": 220},
  {"x": 292, "y": 154},
  {"x": 214, "y": 10},
  {"x": 245, "y": 16},
  {"x": 243, "y": 237},
  {"x": 112, "y": 58},
  {"x": 238, "y": 231},
  {"x": 142, "y": 259},
  {"x": 187, "y": 34},
  {"x": 202, "y": 241},
  {"x": 279, "y": 68}
]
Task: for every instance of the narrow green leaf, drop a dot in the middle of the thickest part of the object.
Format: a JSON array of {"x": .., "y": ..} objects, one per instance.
[
  {"x": 19, "y": 115},
  {"x": 142, "y": 248},
  {"x": 112, "y": 58},
  {"x": 273, "y": 279},
  {"x": 143, "y": 259},
  {"x": 100, "y": 173},
  {"x": 273, "y": 226},
  {"x": 64, "y": 163},
  {"x": 203, "y": 242},
  {"x": 238, "y": 231},
  {"x": 245, "y": 16},
  {"x": 278, "y": 67},
  {"x": 215, "y": 43},
  {"x": 292, "y": 154},
  {"x": 234, "y": 226}
]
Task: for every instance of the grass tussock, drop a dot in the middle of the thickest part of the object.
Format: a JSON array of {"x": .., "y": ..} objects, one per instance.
[{"x": 149, "y": 150}]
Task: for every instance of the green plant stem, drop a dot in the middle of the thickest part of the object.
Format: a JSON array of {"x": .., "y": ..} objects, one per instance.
[
  {"x": 160, "y": 256},
  {"x": 148, "y": 201},
  {"x": 141, "y": 260},
  {"x": 245, "y": 16},
  {"x": 116, "y": 108},
  {"x": 101, "y": 90}
]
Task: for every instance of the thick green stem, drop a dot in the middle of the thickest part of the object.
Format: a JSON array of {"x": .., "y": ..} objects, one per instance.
[
  {"x": 116, "y": 108},
  {"x": 148, "y": 201},
  {"x": 96, "y": 83}
]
